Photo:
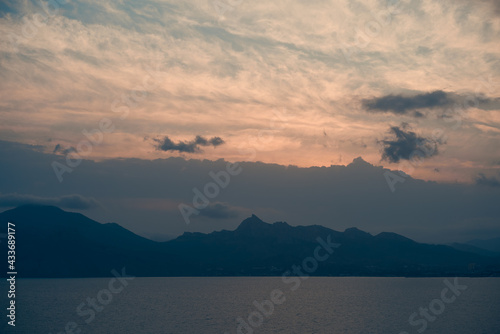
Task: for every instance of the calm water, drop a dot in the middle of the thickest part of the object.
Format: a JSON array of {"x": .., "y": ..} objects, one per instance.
[{"x": 212, "y": 305}]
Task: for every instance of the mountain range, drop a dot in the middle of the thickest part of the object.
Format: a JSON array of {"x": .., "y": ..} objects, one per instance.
[{"x": 52, "y": 243}]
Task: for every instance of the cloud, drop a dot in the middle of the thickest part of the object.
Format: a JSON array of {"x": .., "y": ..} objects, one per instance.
[
  {"x": 483, "y": 180},
  {"x": 331, "y": 196},
  {"x": 204, "y": 66},
  {"x": 494, "y": 5},
  {"x": 193, "y": 146},
  {"x": 404, "y": 105},
  {"x": 58, "y": 149},
  {"x": 219, "y": 211},
  {"x": 406, "y": 145},
  {"x": 216, "y": 141},
  {"x": 410, "y": 105},
  {"x": 77, "y": 202}
]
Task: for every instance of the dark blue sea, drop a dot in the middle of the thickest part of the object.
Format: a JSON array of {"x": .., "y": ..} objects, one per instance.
[{"x": 255, "y": 305}]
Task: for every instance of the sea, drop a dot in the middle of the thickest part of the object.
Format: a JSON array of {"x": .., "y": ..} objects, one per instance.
[{"x": 228, "y": 305}]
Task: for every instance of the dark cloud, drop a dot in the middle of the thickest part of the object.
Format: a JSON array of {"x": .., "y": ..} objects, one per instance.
[
  {"x": 495, "y": 5},
  {"x": 219, "y": 211},
  {"x": 142, "y": 195},
  {"x": 405, "y": 145},
  {"x": 216, "y": 141},
  {"x": 58, "y": 149},
  {"x": 193, "y": 146},
  {"x": 407, "y": 105},
  {"x": 76, "y": 202},
  {"x": 483, "y": 180}
]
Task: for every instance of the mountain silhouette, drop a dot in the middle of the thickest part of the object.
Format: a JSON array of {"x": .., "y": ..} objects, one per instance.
[
  {"x": 492, "y": 245},
  {"x": 54, "y": 243}
]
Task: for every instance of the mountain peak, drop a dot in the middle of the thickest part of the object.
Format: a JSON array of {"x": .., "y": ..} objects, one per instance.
[
  {"x": 359, "y": 162},
  {"x": 253, "y": 225},
  {"x": 37, "y": 212},
  {"x": 253, "y": 220},
  {"x": 256, "y": 248}
]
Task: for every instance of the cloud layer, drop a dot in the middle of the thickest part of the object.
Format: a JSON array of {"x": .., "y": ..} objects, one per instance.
[
  {"x": 407, "y": 145},
  {"x": 144, "y": 195},
  {"x": 75, "y": 202},
  {"x": 484, "y": 180},
  {"x": 219, "y": 211},
  {"x": 193, "y": 146},
  {"x": 183, "y": 69},
  {"x": 416, "y": 104},
  {"x": 403, "y": 105}
]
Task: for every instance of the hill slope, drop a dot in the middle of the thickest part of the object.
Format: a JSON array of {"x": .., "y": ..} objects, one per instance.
[{"x": 51, "y": 242}]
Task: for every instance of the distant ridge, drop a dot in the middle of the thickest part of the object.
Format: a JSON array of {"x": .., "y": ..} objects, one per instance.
[{"x": 55, "y": 243}]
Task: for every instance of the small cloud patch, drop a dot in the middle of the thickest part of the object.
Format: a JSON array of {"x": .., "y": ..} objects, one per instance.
[
  {"x": 193, "y": 146},
  {"x": 405, "y": 144}
]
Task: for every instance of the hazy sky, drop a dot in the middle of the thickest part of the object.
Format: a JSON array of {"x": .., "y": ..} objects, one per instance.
[
  {"x": 144, "y": 195},
  {"x": 410, "y": 85}
]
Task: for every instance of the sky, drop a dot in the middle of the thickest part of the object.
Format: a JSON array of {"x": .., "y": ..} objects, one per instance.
[{"x": 125, "y": 107}]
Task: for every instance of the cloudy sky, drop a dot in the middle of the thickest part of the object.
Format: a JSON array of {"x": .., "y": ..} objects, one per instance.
[{"x": 406, "y": 85}]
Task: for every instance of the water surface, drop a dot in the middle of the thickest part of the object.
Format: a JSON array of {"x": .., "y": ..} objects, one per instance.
[{"x": 212, "y": 305}]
